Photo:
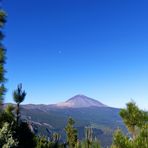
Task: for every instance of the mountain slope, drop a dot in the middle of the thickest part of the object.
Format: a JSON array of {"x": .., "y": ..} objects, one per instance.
[
  {"x": 103, "y": 120},
  {"x": 86, "y": 112}
]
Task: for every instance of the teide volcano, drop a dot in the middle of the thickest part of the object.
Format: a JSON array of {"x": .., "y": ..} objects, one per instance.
[{"x": 80, "y": 101}]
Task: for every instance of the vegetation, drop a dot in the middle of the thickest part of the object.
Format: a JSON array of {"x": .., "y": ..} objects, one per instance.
[
  {"x": 71, "y": 132},
  {"x": 89, "y": 142},
  {"x": 2, "y": 58},
  {"x": 13, "y": 134},
  {"x": 18, "y": 96},
  {"x": 6, "y": 136},
  {"x": 16, "y": 133},
  {"x": 136, "y": 122}
]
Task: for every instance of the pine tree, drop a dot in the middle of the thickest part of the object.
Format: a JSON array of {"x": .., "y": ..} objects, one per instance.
[
  {"x": 88, "y": 136},
  {"x": 133, "y": 118},
  {"x": 89, "y": 141},
  {"x": 56, "y": 138},
  {"x": 136, "y": 121},
  {"x": 71, "y": 133},
  {"x": 18, "y": 96},
  {"x": 142, "y": 139},
  {"x": 120, "y": 140},
  {"x": 2, "y": 58}
]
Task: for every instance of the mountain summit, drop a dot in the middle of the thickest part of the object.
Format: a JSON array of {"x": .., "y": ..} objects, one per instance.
[{"x": 80, "y": 101}]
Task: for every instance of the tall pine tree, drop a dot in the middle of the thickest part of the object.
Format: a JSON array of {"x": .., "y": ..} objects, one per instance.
[
  {"x": 71, "y": 133},
  {"x": 2, "y": 57},
  {"x": 18, "y": 96}
]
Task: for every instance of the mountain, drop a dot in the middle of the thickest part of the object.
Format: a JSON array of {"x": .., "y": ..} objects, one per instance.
[
  {"x": 87, "y": 112},
  {"x": 80, "y": 101}
]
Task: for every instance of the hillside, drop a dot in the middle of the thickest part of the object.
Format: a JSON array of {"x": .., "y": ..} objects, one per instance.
[{"x": 87, "y": 112}]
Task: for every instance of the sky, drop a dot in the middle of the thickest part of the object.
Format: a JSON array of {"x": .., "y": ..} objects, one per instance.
[{"x": 61, "y": 48}]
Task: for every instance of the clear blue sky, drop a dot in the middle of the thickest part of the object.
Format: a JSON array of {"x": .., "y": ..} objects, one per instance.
[{"x": 60, "y": 48}]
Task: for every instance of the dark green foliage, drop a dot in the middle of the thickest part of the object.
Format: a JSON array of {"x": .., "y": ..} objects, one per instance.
[
  {"x": 133, "y": 118},
  {"x": 15, "y": 136},
  {"x": 120, "y": 141},
  {"x": 136, "y": 122},
  {"x": 42, "y": 142},
  {"x": 2, "y": 58},
  {"x": 20, "y": 132},
  {"x": 2, "y": 18},
  {"x": 24, "y": 136},
  {"x": 142, "y": 139},
  {"x": 7, "y": 116},
  {"x": 94, "y": 144},
  {"x": 56, "y": 138},
  {"x": 18, "y": 135},
  {"x": 6, "y": 136},
  {"x": 18, "y": 96},
  {"x": 71, "y": 133},
  {"x": 8, "y": 128}
]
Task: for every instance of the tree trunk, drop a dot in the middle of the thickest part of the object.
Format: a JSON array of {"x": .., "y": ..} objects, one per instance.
[{"x": 17, "y": 113}]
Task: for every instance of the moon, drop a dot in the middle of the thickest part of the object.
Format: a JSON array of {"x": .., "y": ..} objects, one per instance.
[{"x": 60, "y": 51}]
